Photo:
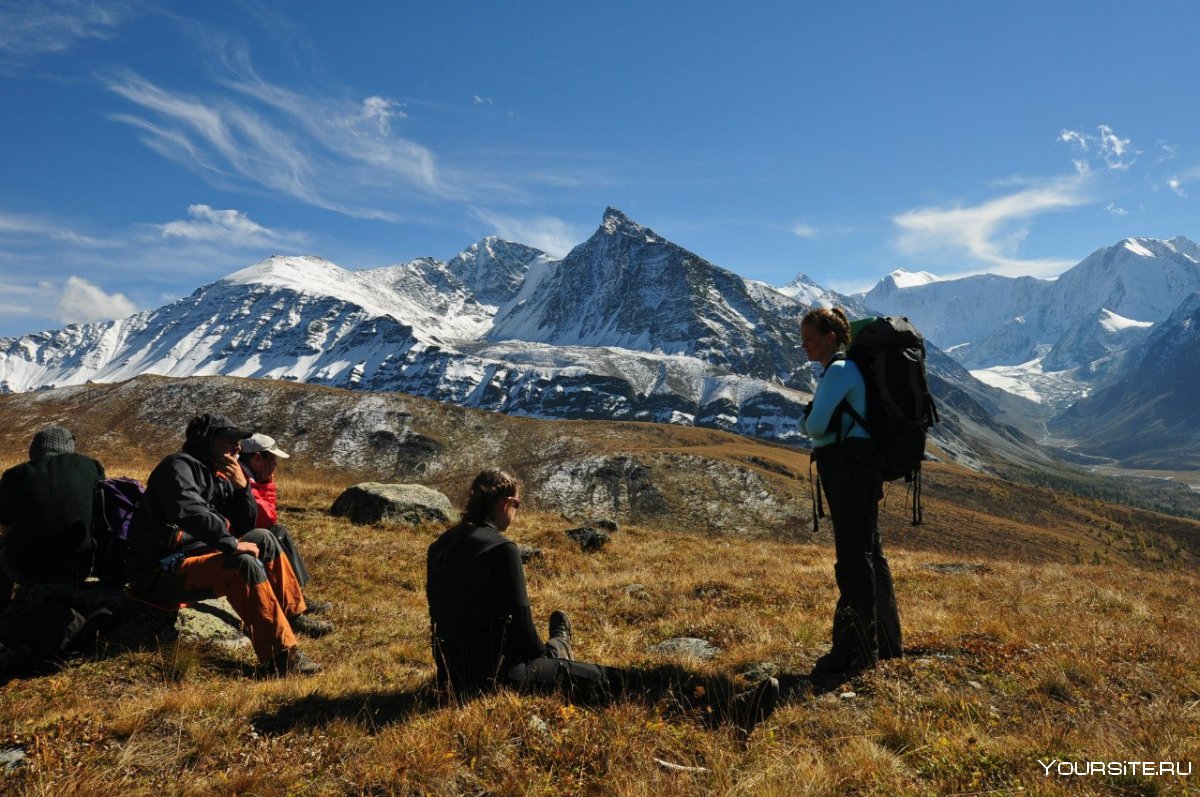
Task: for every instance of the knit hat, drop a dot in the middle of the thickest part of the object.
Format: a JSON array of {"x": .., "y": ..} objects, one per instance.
[{"x": 52, "y": 441}]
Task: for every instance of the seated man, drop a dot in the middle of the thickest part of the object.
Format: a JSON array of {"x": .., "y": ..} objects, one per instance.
[
  {"x": 193, "y": 537},
  {"x": 260, "y": 456},
  {"x": 46, "y": 514}
]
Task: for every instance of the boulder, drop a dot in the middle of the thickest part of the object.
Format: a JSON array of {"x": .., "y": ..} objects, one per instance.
[
  {"x": 210, "y": 621},
  {"x": 373, "y": 502},
  {"x": 589, "y": 539},
  {"x": 604, "y": 523}
]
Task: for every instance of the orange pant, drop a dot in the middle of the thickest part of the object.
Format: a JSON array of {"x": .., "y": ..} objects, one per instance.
[{"x": 264, "y": 594}]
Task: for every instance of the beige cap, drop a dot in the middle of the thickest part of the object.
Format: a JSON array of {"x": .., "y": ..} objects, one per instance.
[{"x": 261, "y": 442}]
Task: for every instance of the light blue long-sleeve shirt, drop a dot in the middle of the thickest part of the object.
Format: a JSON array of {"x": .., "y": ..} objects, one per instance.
[{"x": 841, "y": 380}]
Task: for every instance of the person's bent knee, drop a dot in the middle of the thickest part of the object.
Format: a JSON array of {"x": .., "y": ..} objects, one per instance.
[
  {"x": 251, "y": 569},
  {"x": 268, "y": 544}
]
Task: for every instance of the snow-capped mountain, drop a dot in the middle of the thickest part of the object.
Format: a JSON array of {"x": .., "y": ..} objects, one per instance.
[
  {"x": 628, "y": 287},
  {"x": 1055, "y": 340},
  {"x": 1150, "y": 417},
  {"x": 627, "y": 326},
  {"x": 494, "y": 269}
]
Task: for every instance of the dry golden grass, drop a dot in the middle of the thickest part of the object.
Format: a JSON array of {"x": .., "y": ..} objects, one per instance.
[
  {"x": 1010, "y": 663},
  {"x": 1072, "y": 637}
]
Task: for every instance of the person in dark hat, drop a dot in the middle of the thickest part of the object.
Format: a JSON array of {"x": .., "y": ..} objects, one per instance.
[
  {"x": 46, "y": 514},
  {"x": 193, "y": 537}
]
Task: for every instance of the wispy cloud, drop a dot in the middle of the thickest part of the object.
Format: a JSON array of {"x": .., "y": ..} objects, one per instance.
[
  {"x": 803, "y": 230},
  {"x": 30, "y": 28},
  {"x": 1105, "y": 146},
  {"x": 25, "y": 226},
  {"x": 552, "y": 235},
  {"x": 1116, "y": 210},
  {"x": 1176, "y": 185},
  {"x": 483, "y": 100},
  {"x": 231, "y": 227},
  {"x": 987, "y": 235},
  {"x": 336, "y": 153}
]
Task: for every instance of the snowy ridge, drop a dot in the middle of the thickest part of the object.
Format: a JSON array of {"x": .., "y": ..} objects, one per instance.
[
  {"x": 627, "y": 326},
  {"x": 1053, "y": 340}
]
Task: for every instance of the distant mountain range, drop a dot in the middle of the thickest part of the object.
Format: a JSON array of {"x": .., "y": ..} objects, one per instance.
[
  {"x": 1108, "y": 349},
  {"x": 627, "y": 326},
  {"x": 631, "y": 326}
]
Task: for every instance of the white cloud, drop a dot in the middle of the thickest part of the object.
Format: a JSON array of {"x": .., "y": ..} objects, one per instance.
[
  {"x": 29, "y": 28},
  {"x": 331, "y": 152},
  {"x": 803, "y": 230},
  {"x": 1176, "y": 185},
  {"x": 81, "y": 302},
  {"x": 231, "y": 227},
  {"x": 483, "y": 100},
  {"x": 989, "y": 233},
  {"x": 553, "y": 236},
  {"x": 1116, "y": 210},
  {"x": 1114, "y": 152}
]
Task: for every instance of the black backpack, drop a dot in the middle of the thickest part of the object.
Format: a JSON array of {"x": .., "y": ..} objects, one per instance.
[{"x": 890, "y": 354}]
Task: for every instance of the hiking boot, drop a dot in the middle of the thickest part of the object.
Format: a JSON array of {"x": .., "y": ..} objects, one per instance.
[
  {"x": 310, "y": 626},
  {"x": 749, "y": 708},
  {"x": 560, "y": 626},
  {"x": 317, "y": 607},
  {"x": 292, "y": 662}
]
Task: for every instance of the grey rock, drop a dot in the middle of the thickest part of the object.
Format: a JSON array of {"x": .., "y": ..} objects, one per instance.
[
  {"x": 373, "y": 502},
  {"x": 210, "y": 621},
  {"x": 528, "y": 553},
  {"x": 700, "y": 649},
  {"x": 589, "y": 539},
  {"x": 604, "y": 523},
  {"x": 637, "y": 591},
  {"x": 11, "y": 758},
  {"x": 760, "y": 671}
]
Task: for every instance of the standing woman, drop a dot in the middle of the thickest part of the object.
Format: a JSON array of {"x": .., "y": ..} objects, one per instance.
[{"x": 866, "y": 624}]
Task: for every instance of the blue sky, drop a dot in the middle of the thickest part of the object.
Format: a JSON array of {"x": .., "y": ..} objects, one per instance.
[{"x": 145, "y": 152}]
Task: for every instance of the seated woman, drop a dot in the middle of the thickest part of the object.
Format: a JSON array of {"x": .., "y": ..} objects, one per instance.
[{"x": 483, "y": 633}]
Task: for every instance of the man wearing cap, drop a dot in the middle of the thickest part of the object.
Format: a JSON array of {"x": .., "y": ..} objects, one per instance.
[
  {"x": 46, "y": 514},
  {"x": 260, "y": 456},
  {"x": 193, "y": 537}
]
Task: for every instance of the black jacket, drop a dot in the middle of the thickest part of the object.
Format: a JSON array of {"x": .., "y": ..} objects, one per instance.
[
  {"x": 187, "y": 508},
  {"x": 48, "y": 505},
  {"x": 478, "y": 607}
]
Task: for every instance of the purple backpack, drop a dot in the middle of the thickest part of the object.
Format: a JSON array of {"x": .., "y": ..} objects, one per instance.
[{"x": 116, "y": 500}]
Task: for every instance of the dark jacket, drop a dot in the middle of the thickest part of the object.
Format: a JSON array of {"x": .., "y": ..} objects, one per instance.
[
  {"x": 478, "y": 607},
  {"x": 187, "y": 508},
  {"x": 48, "y": 503}
]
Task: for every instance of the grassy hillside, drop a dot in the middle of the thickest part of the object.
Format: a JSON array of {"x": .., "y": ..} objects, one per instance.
[{"x": 1038, "y": 627}]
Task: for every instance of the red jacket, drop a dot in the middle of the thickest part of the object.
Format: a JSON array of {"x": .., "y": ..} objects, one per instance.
[{"x": 264, "y": 496}]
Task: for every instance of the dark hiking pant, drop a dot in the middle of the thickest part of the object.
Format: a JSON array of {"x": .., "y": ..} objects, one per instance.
[
  {"x": 590, "y": 684},
  {"x": 866, "y": 623},
  {"x": 263, "y": 591},
  {"x": 288, "y": 546}
]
